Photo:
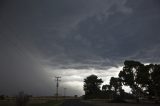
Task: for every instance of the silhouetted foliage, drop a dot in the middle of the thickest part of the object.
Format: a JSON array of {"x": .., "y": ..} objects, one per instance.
[
  {"x": 116, "y": 84},
  {"x": 129, "y": 76},
  {"x": 153, "y": 85},
  {"x": 144, "y": 80},
  {"x": 106, "y": 87},
  {"x": 92, "y": 86},
  {"x": 107, "y": 92}
]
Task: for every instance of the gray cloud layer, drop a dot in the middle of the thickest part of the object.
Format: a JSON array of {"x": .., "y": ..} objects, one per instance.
[{"x": 37, "y": 36}]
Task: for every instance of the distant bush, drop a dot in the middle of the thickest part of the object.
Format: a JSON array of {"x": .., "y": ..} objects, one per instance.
[
  {"x": 22, "y": 99},
  {"x": 2, "y": 97}
]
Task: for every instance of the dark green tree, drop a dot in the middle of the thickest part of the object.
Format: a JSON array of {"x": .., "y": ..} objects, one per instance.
[
  {"x": 116, "y": 84},
  {"x": 92, "y": 85},
  {"x": 106, "y": 87},
  {"x": 107, "y": 92},
  {"x": 154, "y": 80},
  {"x": 130, "y": 76}
]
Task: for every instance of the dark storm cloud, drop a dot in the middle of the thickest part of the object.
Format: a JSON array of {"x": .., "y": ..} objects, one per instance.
[
  {"x": 47, "y": 26},
  {"x": 124, "y": 36},
  {"x": 41, "y": 35}
]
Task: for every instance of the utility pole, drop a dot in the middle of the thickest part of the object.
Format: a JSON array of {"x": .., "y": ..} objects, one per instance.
[{"x": 57, "y": 85}]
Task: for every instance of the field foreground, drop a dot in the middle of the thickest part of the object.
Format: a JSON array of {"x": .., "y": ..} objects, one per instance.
[
  {"x": 98, "y": 103},
  {"x": 33, "y": 103},
  {"x": 73, "y": 102}
]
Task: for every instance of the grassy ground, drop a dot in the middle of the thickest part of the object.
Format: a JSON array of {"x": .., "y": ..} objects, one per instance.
[
  {"x": 7, "y": 103},
  {"x": 103, "y": 103},
  {"x": 48, "y": 103}
]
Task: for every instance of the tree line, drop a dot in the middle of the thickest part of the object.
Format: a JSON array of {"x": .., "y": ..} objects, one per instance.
[{"x": 144, "y": 81}]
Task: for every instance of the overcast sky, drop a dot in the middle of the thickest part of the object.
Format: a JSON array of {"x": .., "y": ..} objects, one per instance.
[{"x": 41, "y": 39}]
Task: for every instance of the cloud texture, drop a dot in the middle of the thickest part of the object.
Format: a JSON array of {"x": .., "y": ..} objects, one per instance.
[{"x": 71, "y": 38}]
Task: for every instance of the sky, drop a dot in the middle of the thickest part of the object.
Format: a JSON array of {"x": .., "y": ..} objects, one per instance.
[{"x": 41, "y": 39}]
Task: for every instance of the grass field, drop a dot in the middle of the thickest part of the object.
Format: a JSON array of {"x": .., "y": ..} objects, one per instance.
[
  {"x": 38, "y": 103},
  {"x": 129, "y": 103},
  {"x": 48, "y": 103}
]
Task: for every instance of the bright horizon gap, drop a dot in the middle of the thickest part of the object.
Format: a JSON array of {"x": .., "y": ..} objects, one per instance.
[{"x": 73, "y": 78}]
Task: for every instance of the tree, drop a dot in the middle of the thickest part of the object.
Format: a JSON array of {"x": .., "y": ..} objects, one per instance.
[
  {"x": 107, "y": 92},
  {"x": 116, "y": 84},
  {"x": 92, "y": 85},
  {"x": 129, "y": 76},
  {"x": 154, "y": 80},
  {"x": 106, "y": 87}
]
